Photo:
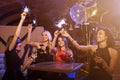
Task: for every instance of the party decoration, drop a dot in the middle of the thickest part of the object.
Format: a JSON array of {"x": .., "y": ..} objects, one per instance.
[{"x": 77, "y": 13}]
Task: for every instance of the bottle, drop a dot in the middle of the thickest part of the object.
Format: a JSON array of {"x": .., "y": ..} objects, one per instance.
[{"x": 34, "y": 51}]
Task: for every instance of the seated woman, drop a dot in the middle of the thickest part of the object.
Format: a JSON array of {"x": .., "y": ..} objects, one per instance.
[
  {"x": 43, "y": 48},
  {"x": 43, "y": 51},
  {"x": 62, "y": 52}
]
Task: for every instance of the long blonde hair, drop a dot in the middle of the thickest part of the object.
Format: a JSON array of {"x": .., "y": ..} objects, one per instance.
[{"x": 48, "y": 34}]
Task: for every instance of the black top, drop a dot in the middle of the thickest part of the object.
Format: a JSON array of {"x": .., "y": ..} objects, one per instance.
[
  {"x": 13, "y": 63},
  {"x": 12, "y": 60},
  {"x": 96, "y": 70},
  {"x": 42, "y": 57}
]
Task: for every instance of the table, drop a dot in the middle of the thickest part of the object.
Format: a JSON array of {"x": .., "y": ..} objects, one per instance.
[{"x": 56, "y": 67}]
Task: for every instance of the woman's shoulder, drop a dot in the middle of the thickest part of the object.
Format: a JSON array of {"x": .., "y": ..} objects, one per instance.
[
  {"x": 92, "y": 47},
  {"x": 113, "y": 51}
]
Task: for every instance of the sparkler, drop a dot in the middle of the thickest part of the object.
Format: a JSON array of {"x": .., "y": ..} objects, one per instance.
[
  {"x": 26, "y": 9},
  {"x": 61, "y": 23},
  {"x": 34, "y": 21}
]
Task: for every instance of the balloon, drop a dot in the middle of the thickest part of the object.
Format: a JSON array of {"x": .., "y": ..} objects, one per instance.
[{"x": 77, "y": 13}]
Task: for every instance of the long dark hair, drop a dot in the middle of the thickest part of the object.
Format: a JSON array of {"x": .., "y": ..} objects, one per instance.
[
  {"x": 65, "y": 41},
  {"x": 109, "y": 34}
]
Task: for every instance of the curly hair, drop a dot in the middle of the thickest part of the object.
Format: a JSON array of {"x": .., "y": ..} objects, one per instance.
[{"x": 109, "y": 34}]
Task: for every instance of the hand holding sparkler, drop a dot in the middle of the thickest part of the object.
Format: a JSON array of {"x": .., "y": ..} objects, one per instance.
[
  {"x": 29, "y": 27},
  {"x": 56, "y": 33},
  {"x": 23, "y": 15},
  {"x": 60, "y": 23},
  {"x": 25, "y": 11},
  {"x": 64, "y": 32}
]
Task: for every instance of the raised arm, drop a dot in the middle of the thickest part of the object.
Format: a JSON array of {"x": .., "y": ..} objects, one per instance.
[
  {"x": 35, "y": 44},
  {"x": 56, "y": 33},
  {"x": 80, "y": 47},
  {"x": 17, "y": 33},
  {"x": 28, "y": 60}
]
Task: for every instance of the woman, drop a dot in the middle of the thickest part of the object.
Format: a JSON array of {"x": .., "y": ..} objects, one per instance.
[
  {"x": 14, "y": 66},
  {"x": 43, "y": 52},
  {"x": 43, "y": 47},
  {"x": 62, "y": 52},
  {"x": 104, "y": 56}
]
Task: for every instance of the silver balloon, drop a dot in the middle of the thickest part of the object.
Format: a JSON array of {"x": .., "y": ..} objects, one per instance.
[{"x": 77, "y": 13}]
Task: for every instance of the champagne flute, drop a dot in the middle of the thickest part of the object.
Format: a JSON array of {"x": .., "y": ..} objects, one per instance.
[{"x": 34, "y": 51}]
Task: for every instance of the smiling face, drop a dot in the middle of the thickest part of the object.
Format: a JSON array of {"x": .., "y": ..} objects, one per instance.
[
  {"x": 19, "y": 46},
  {"x": 61, "y": 42},
  {"x": 45, "y": 37},
  {"x": 101, "y": 36}
]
